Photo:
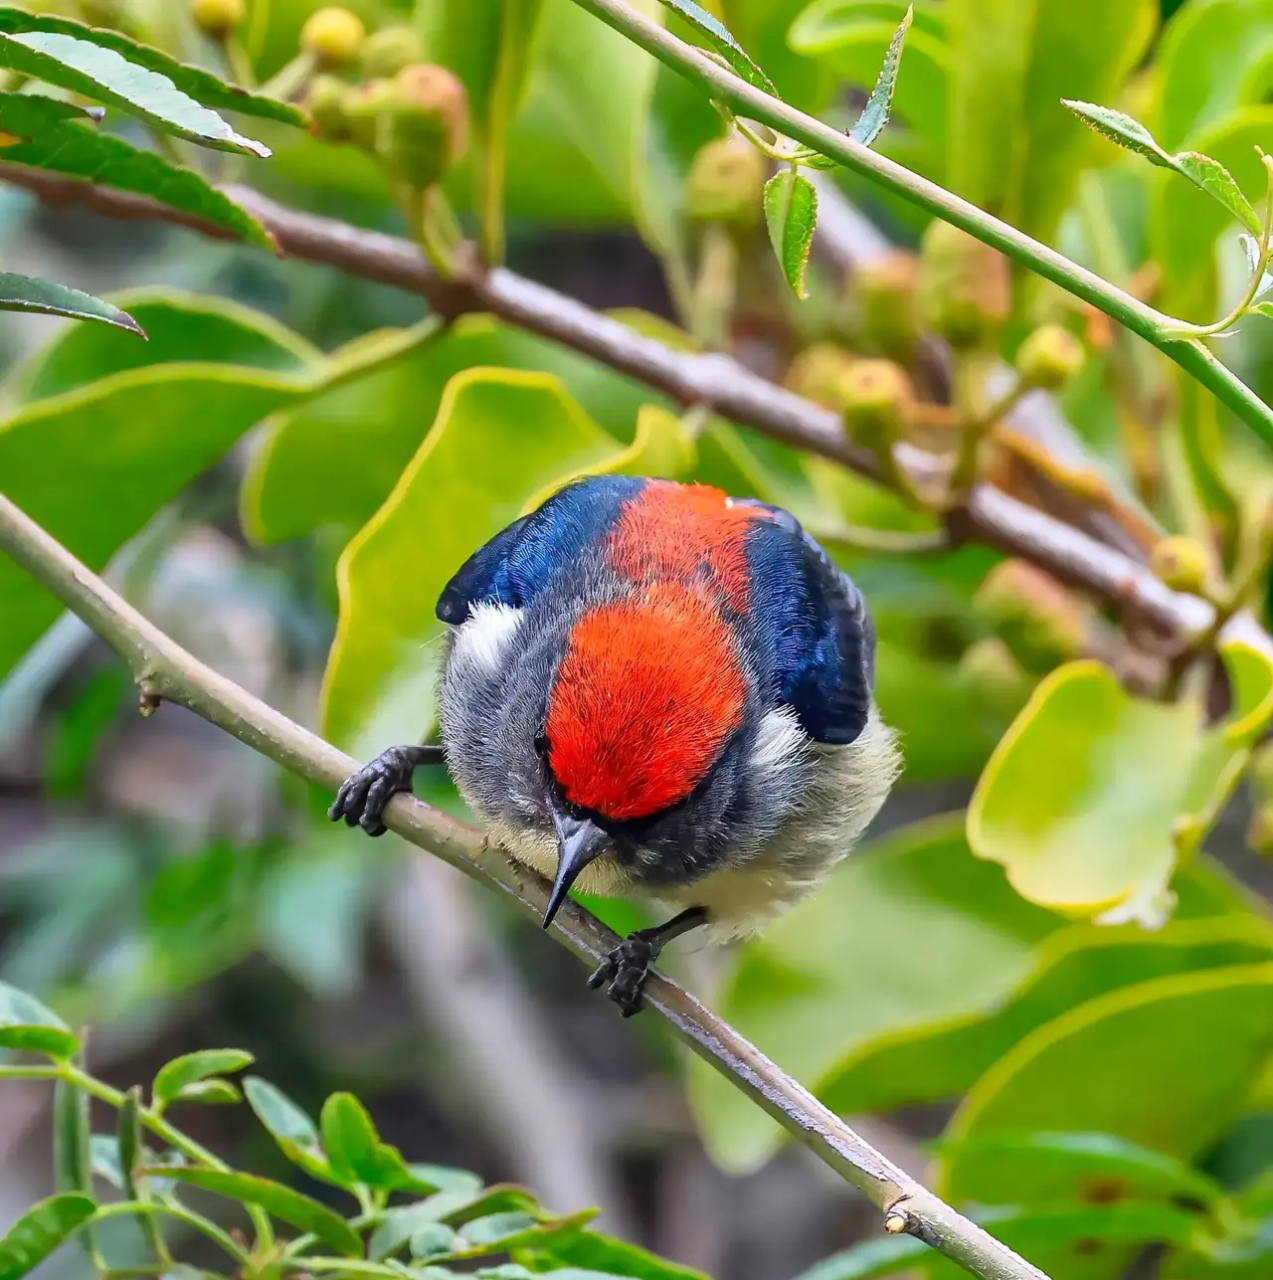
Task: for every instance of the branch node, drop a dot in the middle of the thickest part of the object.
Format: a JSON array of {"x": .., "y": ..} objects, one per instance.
[{"x": 149, "y": 698}]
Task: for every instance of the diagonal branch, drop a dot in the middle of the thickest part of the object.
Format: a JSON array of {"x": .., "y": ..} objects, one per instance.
[
  {"x": 165, "y": 671},
  {"x": 713, "y": 380}
]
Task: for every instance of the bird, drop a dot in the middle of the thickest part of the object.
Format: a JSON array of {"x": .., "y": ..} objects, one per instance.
[{"x": 654, "y": 689}]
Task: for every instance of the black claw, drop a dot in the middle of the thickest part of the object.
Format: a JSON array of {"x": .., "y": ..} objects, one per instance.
[
  {"x": 626, "y": 969},
  {"x": 363, "y": 796}
]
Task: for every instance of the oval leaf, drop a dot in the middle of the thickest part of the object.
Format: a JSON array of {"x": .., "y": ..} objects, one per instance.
[
  {"x": 354, "y": 1148},
  {"x": 176, "y": 1075},
  {"x": 280, "y": 1201},
  {"x": 722, "y": 40},
  {"x": 875, "y": 114},
  {"x": 19, "y": 1008},
  {"x": 53, "y": 1041},
  {"x": 102, "y": 73},
  {"x": 290, "y": 1127},
  {"x": 791, "y": 212},
  {"x": 199, "y": 84},
  {"x": 29, "y": 293},
  {"x": 40, "y": 1230},
  {"x": 213, "y": 1092},
  {"x": 45, "y": 134}
]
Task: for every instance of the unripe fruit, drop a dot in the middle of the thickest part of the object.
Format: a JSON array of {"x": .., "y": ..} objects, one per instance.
[
  {"x": 423, "y": 124},
  {"x": 990, "y": 671},
  {"x": 1035, "y": 616},
  {"x": 886, "y": 301},
  {"x": 1259, "y": 835},
  {"x": 727, "y": 184},
  {"x": 965, "y": 288},
  {"x": 1049, "y": 357},
  {"x": 876, "y": 401},
  {"x": 1183, "y": 563},
  {"x": 816, "y": 371},
  {"x": 385, "y": 52},
  {"x": 333, "y": 36},
  {"x": 1261, "y": 772},
  {"x": 326, "y": 101},
  {"x": 217, "y": 18},
  {"x": 364, "y": 104}
]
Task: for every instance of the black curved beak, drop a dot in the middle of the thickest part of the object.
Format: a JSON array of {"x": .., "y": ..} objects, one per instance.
[{"x": 581, "y": 840}]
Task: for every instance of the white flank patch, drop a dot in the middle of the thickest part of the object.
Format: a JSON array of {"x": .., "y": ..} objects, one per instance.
[
  {"x": 781, "y": 747},
  {"x": 482, "y": 639}
]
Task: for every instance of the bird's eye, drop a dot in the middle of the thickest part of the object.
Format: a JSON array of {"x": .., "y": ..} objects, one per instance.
[{"x": 541, "y": 744}]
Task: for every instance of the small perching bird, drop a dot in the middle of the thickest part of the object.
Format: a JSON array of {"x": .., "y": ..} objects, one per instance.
[{"x": 654, "y": 689}]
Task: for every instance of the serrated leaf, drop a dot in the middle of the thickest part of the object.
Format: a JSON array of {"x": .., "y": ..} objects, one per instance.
[
  {"x": 276, "y": 1199},
  {"x": 102, "y": 73},
  {"x": 29, "y": 293},
  {"x": 876, "y": 112},
  {"x": 791, "y": 213},
  {"x": 1205, "y": 173},
  {"x": 201, "y": 85},
  {"x": 215, "y": 1092},
  {"x": 175, "y": 1076},
  {"x": 47, "y": 135},
  {"x": 722, "y": 40},
  {"x": 53, "y": 1041},
  {"x": 289, "y": 1126},
  {"x": 40, "y": 1230}
]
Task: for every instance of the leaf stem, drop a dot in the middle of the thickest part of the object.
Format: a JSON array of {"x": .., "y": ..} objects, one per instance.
[
  {"x": 1147, "y": 322},
  {"x": 127, "y": 1208}
]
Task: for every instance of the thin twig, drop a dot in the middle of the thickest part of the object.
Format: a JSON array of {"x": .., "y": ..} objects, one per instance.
[{"x": 164, "y": 670}]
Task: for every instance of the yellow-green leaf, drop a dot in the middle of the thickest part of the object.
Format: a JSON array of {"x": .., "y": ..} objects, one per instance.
[
  {"x": 791, "y": 213},
  {"x": 499, "y": 437},
  {"x": 40, "y": 1230}
]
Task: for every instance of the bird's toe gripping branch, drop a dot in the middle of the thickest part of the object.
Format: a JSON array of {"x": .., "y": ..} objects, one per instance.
[
  {"x": 363, "y": 796},
  {"x": 626, "y": 969}
]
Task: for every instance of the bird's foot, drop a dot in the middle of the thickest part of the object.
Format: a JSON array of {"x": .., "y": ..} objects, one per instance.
[
  {"x": 363, "y": 796},
  {"x": 626, "y": 968}
]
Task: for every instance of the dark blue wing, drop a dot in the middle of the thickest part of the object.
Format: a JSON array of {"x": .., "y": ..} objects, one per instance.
[
  {"x": 812, "y": 627},
  {"x": 516, "y": 565}
]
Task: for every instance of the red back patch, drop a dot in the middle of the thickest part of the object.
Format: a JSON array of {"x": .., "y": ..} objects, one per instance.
[
  {"x": 648, "y": 691},
  {"x": 677, "y": 532}
]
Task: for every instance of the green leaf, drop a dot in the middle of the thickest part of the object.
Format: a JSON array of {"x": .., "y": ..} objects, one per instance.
[
  {"x": 791, "y": 213},
  {"x": 213, "y": 1092},
  {"x": 1205, "y": 173},
  {"x": 17, "y": 1008},
  {"x": 499, "y": 437},
  {"x": 29, "y": 293},
  {"x": 875, "y": 114},
  {"x": 1262, "y": 309},
  {"x": 40, "y": 1230},
  {"x": 299, "y": 477},
  {"x": 192, "y": 327},
  {"x": 1201, "y": 69},
  {"x": 53, "y": 1041},
  {"x": 142, "y": 436},
  {"x": 1013, "y": 149},
  {"x": 276, "y": 1199},
  {"x": 199, "y": 84},
  {"x": 48, "y": 135},
  {"x": 1078, "y": 836},
  {"x": 453, "y": 1208},
  {"x": 104, "y": 74},
  {"x": 355, "y": 1151},
  {"x": 841, "y": 970},
  {"x": 587, "y": 1250},
  {"x": 72, "y": 1165},
  {"x": 1166, "y": 1064},
  {"x": 721, "y": 39},
  {"x": 175, "y": 1076},
  {"x": 433, "y": 1240},
  {"x": 944, "y": 1057},
  {"x": 289, "y": 1126},
  {"x": 129, "y": 1146}
]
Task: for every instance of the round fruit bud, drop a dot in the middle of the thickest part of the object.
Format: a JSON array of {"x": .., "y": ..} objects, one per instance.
[
  {"x": 886, "y": 302},
  {"x": 876, "y": 401},
  {"x": 326, "y": 103},
  {"x": 217, "y": 18},
  {"x": 1261, "y": 771},
  {"x": 991, "y": 672},
  {"x": 364, "y": 105},
  {"x": 965, "y": 288},
  {"x": 816, "y": 372},
  {"x": 1259, "y": 835},
  {"x": 333, "y": 36},
  {"x": 423, "y": 127},
  {"x": 1182, "y": 562},
  {"x": 727, "y": 184},
  {"x": 385, "y": 52},
  {"x": 1049, "y": 357},
  {"x": 1035, "y": 616}
]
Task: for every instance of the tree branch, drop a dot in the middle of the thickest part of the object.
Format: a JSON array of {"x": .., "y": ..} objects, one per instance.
[
  {"x": 714, "y": 380},
  {"x": 165, "y": 671}
]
